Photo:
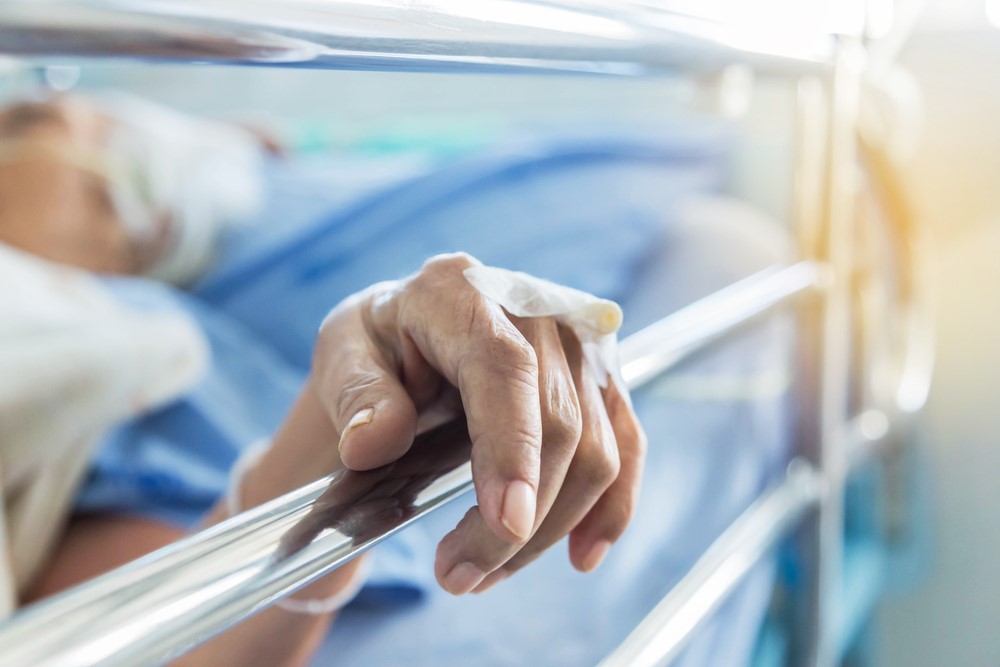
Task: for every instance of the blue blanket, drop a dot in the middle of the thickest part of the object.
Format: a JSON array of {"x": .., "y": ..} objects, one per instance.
[{"x": 595, "y": 214}]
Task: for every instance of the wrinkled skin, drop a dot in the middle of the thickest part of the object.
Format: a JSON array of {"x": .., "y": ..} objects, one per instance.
[{"x": 552, "y": 452}]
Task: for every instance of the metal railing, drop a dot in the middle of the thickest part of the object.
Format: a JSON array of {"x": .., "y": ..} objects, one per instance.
[
  {"x": 619, "y": 37},
  {"x": 177, "y": 597},
  {"x": 167, "y": 602},
  {"x": 665, "y": 631}
]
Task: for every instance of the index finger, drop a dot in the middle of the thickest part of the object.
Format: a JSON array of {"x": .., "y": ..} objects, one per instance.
[
  {"x": 473, "y": 344},
  {"x": 499, "y": 388}
]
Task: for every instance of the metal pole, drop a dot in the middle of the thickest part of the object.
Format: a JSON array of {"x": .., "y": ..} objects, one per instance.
[
  {"x": 169, "y": 601},
  {"x": 661, "y": 636},
  {"x": 827, "y": 236},
  {"x": 596, "y": 37}
]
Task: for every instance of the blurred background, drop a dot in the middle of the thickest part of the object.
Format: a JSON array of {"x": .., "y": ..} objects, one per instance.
[
  {"x": 951, "y": 616},
  {"x": 945, "y": 605}
]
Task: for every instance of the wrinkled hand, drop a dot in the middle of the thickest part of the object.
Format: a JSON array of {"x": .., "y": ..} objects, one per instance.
[{"x": 552, "y": 452}]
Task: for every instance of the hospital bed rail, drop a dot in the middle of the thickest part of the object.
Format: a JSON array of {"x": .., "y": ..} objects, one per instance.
[
  {"x": 620, "y": 37},
  {"x": 172, "y": 599},
  {"x": 664, "y": 632},
  {"x": 169, "y": 601}
]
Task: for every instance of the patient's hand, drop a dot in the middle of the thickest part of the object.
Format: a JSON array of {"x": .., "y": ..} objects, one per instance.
[{"x": 552, "y": 452}]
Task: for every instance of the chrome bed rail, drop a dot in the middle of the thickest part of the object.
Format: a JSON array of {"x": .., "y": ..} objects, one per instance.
[
  {"x": 165, "y": 603},
  {"x": 620, "y": 37},
  {"x": 666, "y": 630},
  {"x": 169, "y": 601},
  {"x": 661, "y": 636}
]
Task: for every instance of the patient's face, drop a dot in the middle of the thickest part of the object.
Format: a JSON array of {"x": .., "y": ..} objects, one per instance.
[{"x": 51, "y": 207}]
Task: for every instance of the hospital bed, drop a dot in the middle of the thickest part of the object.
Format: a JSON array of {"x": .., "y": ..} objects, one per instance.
[{"x": 863, "y": 373}]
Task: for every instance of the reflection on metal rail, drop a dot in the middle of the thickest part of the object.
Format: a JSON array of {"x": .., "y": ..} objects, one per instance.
[
  {"x": 169, "y": 601},
  {"x": 664, "y": 632},
  {"x": 597, "y": 36}
]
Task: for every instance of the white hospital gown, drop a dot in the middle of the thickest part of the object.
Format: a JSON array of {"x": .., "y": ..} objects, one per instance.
[{"x": 73, "y": 363}]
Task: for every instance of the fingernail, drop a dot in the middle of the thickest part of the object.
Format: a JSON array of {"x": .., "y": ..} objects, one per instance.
[
  {"x": 491, "y": 580},
  {"x": 596, "y": 555},
  {"x": 518, "y": 514},
  {"x": 462, "y": 578},
  {"x": 360, "y": 418}
]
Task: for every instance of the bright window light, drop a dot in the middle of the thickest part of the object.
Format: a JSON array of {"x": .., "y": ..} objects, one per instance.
[{"x": 993, "y": 12}]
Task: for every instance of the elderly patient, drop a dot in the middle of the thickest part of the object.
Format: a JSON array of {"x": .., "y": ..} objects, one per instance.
[
  {"x": 182, "y": 364},
  {"x": 554, "y": 453}
]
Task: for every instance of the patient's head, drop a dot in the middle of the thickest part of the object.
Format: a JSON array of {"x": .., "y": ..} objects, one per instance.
[
  {"x": 54, "y": 198},
  {"x": 122, "y": 185}
]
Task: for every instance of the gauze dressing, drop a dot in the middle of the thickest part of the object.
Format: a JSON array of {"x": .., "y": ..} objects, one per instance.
[
  {"x": 200, "y": 176},
  {"x": 595, "y": 321}
]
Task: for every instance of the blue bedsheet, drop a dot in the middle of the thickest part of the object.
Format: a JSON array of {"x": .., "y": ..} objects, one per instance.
[{"x": 596, "y": 215}]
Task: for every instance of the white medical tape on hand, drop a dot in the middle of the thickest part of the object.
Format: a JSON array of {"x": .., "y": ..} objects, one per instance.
[
  {"x": 595, "y": 321},
  {"x": 247, "y": 460}
]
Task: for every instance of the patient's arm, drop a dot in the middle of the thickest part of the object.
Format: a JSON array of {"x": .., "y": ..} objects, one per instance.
[
  {"x": 52, "y": 208},
  {"x": 535, "y": 411},
  {"x": 273, "y": 638},
  {"x": 553, "y": 452}
]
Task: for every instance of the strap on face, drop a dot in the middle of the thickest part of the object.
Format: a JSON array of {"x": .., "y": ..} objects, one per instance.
[
  {"x": 131, "y": 203},
  {"x": 94, "y": 161}
]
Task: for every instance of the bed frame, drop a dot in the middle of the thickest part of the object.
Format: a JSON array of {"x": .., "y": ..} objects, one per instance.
[{"x": 165, "y": 603}]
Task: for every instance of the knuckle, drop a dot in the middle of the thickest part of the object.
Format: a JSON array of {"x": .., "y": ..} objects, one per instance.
[
  {"x": 531, "y": 454},
  {"x": 598, "y": 466},
  {"x": 521, "y": 448},
  {"x": 443, "y": 270},
  {"x": 513, "y": 353},
  {"x": 449, "y": 263},
  {"x": 355, "y": 392},
  {"x": 498, "y": 354},
  {"x": 473, "y": 313},
  {"x": 563, "y": 427},
  {"x": 443, "y": 275}
]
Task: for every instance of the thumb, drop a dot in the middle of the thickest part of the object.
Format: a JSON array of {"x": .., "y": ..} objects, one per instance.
[{"x": 366, "y": 401}]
